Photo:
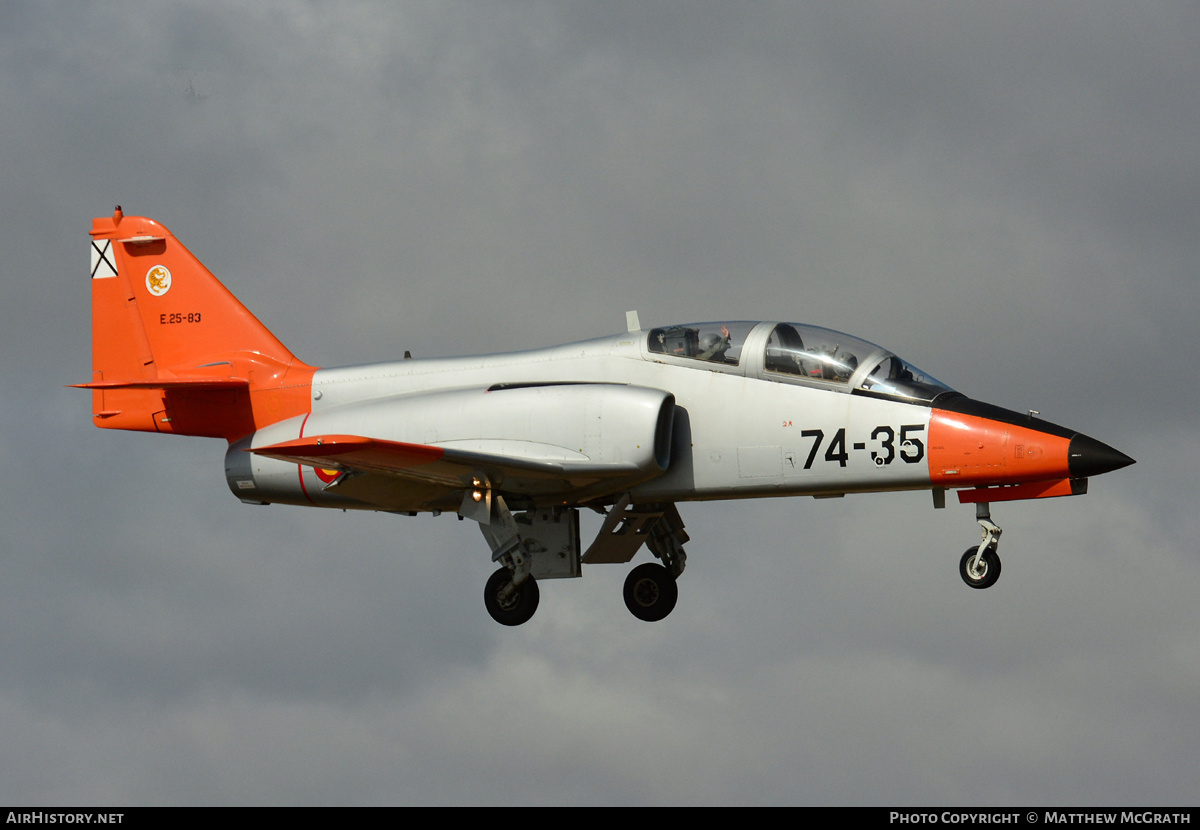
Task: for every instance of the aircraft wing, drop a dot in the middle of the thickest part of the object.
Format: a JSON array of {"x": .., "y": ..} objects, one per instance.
[
  {"x": 556, "y": 442},
  {"x": 448, "y": 467}
]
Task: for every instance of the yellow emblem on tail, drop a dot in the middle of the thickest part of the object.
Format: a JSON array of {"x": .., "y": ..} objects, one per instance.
[{"x": 158, "y": 280}]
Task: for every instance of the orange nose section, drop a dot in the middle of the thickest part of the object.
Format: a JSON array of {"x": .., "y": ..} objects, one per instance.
[
  {"x": 973, "y": 443},
  {"x": 967, "y": 450}
]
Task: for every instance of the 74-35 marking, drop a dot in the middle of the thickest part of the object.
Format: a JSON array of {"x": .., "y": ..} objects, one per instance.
[{"x": 911, "y": 451}]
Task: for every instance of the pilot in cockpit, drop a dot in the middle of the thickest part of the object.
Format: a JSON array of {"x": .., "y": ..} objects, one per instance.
[
  {"x": 842, "y": 365},
  {"x": 713, "y": 346}
]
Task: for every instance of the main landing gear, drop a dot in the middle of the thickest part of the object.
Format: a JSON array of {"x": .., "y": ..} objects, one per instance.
[
  {"x": 543, "y": 543},
  {"x": 650, "y": 589},
  {"x": 650, "y": 592},
  {"x": 980, "y": 566},
  {"x": 507, "y": 602}
]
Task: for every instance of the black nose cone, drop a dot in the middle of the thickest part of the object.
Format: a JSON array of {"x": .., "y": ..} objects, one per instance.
[{"x": 1088, "y": 457}]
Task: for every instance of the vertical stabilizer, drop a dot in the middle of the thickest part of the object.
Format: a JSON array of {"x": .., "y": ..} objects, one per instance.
[{"x": 172, "y": 349}]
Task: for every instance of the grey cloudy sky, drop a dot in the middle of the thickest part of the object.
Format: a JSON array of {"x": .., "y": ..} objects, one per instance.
[{"x": 1006, "y": 194}]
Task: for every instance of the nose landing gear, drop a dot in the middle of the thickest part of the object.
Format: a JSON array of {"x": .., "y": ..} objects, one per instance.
[
  {"x": 980, "y": 566},
  {"x": 980, "y": 571}
]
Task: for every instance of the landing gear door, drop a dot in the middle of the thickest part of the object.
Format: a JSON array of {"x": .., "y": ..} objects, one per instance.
[
  {"x": 550, "y": 540},
  {"x": 624, "y": 532}
]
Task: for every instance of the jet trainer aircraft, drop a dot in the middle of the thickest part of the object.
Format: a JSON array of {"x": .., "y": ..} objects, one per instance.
[{"x": 628, "y": 425}]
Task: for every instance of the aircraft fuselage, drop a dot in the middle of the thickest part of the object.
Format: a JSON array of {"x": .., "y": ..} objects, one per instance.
[{"x": 627, "y": 425}]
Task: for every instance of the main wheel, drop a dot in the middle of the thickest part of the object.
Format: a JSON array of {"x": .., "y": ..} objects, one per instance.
[
  {"x": 650, "y": 592},
  {"x": 989, "y": 568},
  {"x": 518, "y": 608}
]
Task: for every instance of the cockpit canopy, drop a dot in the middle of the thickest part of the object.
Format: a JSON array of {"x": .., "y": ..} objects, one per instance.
[
  {"x": 713, "y": 342},
  {"x": 794, "y": 352}
]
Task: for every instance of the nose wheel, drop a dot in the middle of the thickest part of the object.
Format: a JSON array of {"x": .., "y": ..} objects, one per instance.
[
  {"x": 980, "y": 571},
  {"x": 980, "y": 565}
]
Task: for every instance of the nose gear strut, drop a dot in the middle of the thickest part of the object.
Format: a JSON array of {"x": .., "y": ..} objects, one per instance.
[{"x": 980, "y": 566}]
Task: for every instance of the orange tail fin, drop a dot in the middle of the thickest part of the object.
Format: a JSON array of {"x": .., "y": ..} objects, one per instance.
[{"x": 172, "y": 349}]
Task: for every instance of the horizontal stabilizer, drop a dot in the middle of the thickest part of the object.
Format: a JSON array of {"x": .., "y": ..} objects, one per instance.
[{"x": 198, "y": 384}]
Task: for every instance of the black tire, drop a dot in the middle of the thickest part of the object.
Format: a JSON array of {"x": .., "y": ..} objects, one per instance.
[
  {"x": 519, "y": 608},
  {"x": 991, "y": 567},
  {"x": 650, "y": 592}
]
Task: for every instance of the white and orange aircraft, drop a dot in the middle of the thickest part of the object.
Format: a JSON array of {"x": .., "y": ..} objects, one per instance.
[{"x": 627, "y": 425}]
